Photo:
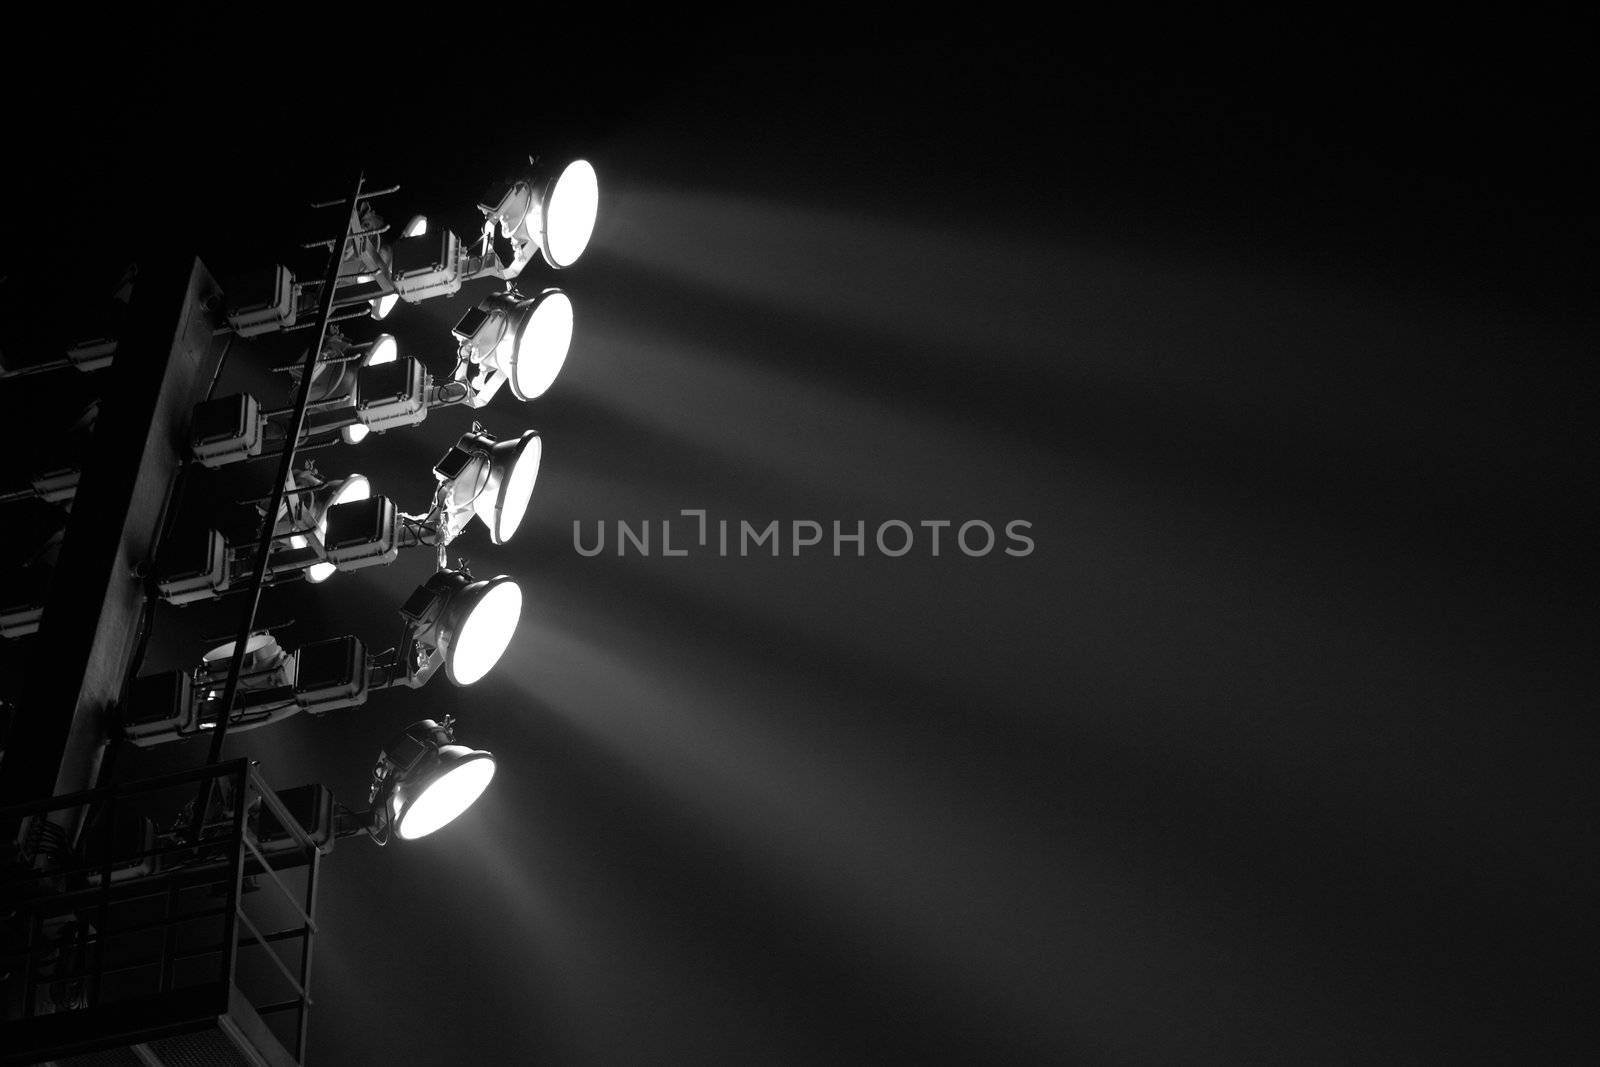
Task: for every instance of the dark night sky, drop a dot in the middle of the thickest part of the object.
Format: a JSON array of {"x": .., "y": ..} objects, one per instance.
[{"x": 1273, "y": 750}]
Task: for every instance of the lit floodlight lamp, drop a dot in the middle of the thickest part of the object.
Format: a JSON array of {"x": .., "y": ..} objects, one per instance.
[
  {"x": 541, "y": 335},
  {"x": 416, "y": 227},
  {"x": 344, "y": 491},
  {"x": 562, "y": 213},
  {"x": 384, "y": 349},
  {"x": 513, "y": 469},
  {"x": 490, "y": 479},
  {"x": 382, "y": 305},
  {"x": 554, "y": 213},
  {"x": 525, "y": 338},
  {"x": 462, "y": 621},
  {"x": 423, "y": 780}
]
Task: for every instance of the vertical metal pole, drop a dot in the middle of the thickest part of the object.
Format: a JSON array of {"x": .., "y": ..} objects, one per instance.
[
  {"x": 103, "y": 900},
  {"x": 302, "y": 1024},
  {"x": 169, "y": 940},
  {"x": 291, "y": 446},
  {"x": 230, "y": 920},
  {"x": 35, "y": 934}
]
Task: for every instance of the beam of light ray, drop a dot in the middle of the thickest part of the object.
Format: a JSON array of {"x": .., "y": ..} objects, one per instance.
[
  {"x": 1267, "y": 474},
  {"x": 1132, "y": 318},
  {"x": 1009, "y": 295},
  {"x": 858, "y": 835},
  {"x": 788, "y": 426}
]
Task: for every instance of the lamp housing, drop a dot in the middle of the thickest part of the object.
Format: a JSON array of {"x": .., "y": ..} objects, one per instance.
[
  {"x": 392, "y": 394},
  {"x": 226, "y": 430},
  {"x": 424, "y": 780},
  {"x": 489, "y": 479},
  {"x": 525, "y": 338},
  {"x": 462, "y": 622},
  {"x": 192, "y": 564},
  {"x": 261, "y": 302},
  {"x": 330, "y": 674},
  {"x": 563, "y": 209},
  {"x": 361, "y": 533},
  {"x": 426, "y": 264},
  {"x": 342, "y": 491}
]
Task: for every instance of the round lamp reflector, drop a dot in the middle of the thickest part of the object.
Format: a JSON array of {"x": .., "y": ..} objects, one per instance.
[
  {"x": 541, "y": 345},
  {"x": 516, "y": 488},
  {"x": 447, "y": 795},
  {"x": 569, "y": 213}
]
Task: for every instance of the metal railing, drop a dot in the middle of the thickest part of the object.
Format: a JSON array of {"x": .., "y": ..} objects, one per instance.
[{"x": 140, "y": 911}]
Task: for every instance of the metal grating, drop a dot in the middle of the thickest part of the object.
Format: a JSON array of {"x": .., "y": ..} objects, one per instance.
[
  {"x": 111, "y": 1057},
  {"x": 156, "y": 942},
  {"x": 208, "y": 1048}
]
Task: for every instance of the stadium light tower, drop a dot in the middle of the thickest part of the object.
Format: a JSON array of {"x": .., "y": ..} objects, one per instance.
[{"x": 100, "y": 609}]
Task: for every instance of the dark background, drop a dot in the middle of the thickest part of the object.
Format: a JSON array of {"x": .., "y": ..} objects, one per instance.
[{"x": 1277, "y": 746}]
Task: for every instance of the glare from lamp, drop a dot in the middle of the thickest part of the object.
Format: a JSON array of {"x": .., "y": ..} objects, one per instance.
[
  {"x": 446, "y": 796},
  {"x": 383, "y": 350},
  {"x": 482, "y": 636},
  {"x": 515, "y": 488},
  {"x": 569, "y": 213},
  {"x": 541, "y": 344}
]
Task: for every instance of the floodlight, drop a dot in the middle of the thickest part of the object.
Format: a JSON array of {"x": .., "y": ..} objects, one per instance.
[
  {"x": 192, "y": 564},
  {"x": 425, "y": 264},
  {"x": 265, "y": 664},
  {"x": 423, "y": 780},
  {"x": 382, "y": 305},
  {"x": 513, "y": 469},
  {"x": 392, "y": 394},
  {"x": 480, "y": 628},
  {"x": 488, "y": 478},
  {"x": 551, "y": 211},
  {"x": 526, "y": 338},
  {"x": 561, "y": 216},
  {"x": 344, "y": 491},
  {"x": 362, "y": 533},
  {"x": 262, "y": 301},
  {"x": 330, "y": 674},
  {"x": 542, "y": 335},
  {"x": 466, "y": 622},
  {"x": 416, "y": 227},
  {"x": 384, "y": 349},
  {"x": 226, "y": 429}
]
